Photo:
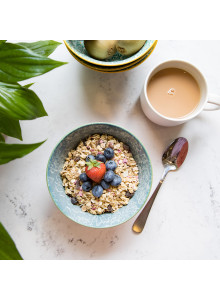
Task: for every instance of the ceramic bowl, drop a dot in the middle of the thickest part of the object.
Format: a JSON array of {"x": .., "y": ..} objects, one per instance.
[
  {"x": 114, "y": 69},
  {"x": 74, "y": 212},
  {"x": 78, "y": 49}
]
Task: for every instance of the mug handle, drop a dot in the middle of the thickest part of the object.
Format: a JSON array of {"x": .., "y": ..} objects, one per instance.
[{"x": 215, "y": 100}]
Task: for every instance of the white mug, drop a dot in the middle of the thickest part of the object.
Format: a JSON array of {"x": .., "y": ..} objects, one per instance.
[{"x": 205, "y": 98}]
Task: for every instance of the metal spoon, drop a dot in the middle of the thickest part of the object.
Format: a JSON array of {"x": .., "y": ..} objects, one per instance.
[{"x": 172, "y": 159}]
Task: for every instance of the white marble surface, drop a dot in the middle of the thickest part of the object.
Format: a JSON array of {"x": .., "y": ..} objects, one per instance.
[{"x": 185, "y": 220}]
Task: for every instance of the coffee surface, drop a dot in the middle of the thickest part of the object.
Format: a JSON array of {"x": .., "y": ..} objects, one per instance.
[{"x": 173, "y": 92}]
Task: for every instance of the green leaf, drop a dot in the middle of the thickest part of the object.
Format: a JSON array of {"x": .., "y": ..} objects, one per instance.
[
  {"x": 89, "y": 164},
  {"x": 2, "y": 41},
  {"x": 2, "y": 139},
  {"x": 8, "y": 250},
  {"x": 93, "y": 163},
  {"x": 18, "y": 102},
  {"x": 44, "y": 48},
  {"x": 18, "y": 63},
  {"x": 9, "y": 152},
  {"x": 10, "y": 126},
  {"x": 28, "y": 85}
]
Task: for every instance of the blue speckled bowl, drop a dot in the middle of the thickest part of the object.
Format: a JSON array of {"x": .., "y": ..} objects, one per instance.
[
  {"x": 62, "y": 201},
  {"x": 77, "y": 47}
]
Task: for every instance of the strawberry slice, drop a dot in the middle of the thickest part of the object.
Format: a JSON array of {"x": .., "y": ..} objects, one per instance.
[{"x": 95, "y": 170}]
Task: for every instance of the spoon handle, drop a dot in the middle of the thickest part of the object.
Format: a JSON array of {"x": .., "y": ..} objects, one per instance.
[{"x": 140, "y": 222}]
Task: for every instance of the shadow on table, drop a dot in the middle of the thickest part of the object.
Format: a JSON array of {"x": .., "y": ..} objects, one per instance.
[
  {"x": 104, "y": 92},
  {"x": 160, "y": 135}
]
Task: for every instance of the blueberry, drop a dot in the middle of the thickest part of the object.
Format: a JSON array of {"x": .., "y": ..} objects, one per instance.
[
  {"x": 97, "y": 191},
  {"x": 87, "y": 186},
  {"x": 109, "y": 153},
  {"x": 111, "y": 165},
  {"x": 101, "y": 157},
  {"x": 83, "y": 177},
  {"x": 89, "y": 158},
  {"x": 109, "y": 176},
  {"x": 104, "y": 184},
  {"x": 74, "y": 201},
  {"x": 116, "y": 181}
]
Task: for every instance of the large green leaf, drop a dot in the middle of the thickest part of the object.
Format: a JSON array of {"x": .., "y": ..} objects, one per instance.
[
  {"x": 2, "y": 139},
  {"x": 2, "y": 41},
  {"x": 19, "y": 102},
  {"x": 8, "y": 250},
  {"x": 9, "y": 152},
  {"x": 18, "y": 63},
  {"x": 10, "y": 126},
  {"x": 44, "y": 48}
]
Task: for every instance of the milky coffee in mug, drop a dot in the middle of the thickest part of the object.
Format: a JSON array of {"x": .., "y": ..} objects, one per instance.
[{"x": 174, "y": 92}]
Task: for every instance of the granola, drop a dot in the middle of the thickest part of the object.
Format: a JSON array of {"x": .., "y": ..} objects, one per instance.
[{"x": 113, "y": 198}]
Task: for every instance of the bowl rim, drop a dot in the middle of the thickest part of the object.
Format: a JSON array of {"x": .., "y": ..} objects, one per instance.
[
  {"x": 109, "y": 64},
  {"x": 101, "y": 123},
  {"x": 121, "y": 69}
]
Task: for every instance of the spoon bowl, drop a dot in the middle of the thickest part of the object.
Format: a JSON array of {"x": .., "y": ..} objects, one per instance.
[{"x": 176, "y": 152}]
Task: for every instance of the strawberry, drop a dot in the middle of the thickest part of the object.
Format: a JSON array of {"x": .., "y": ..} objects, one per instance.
[{"x": 95, "y": 170}]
